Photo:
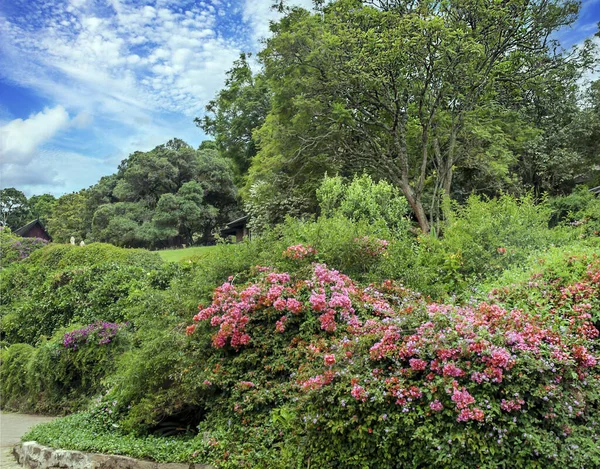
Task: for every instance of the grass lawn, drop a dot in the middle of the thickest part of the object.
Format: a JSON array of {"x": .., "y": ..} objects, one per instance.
[{"x": 176, "y": 255}]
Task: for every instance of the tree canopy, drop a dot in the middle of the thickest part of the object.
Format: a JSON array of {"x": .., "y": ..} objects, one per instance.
[{"x": 439, "y": 98}]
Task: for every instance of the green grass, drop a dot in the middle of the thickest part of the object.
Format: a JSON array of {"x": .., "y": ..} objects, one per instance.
[
  {"x": 83, "y": 433},
  {"x": 176, "y": 255}
]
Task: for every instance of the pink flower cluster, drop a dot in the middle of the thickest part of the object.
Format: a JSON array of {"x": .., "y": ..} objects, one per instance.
[
  {"x": 412, "y": 353},
  {"x": 510, "y": 405},
  {"x": 299, "y": 251},
  {"x": 358, "y": 393}
]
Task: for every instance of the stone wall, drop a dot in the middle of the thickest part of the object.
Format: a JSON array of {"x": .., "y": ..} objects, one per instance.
[{"x": 32, "y": 455}]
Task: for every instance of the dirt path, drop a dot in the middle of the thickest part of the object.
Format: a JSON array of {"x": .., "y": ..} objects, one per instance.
[{"x": 12, "y": 428}]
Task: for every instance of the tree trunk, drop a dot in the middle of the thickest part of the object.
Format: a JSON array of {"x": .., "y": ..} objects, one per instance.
[{"x": 414, "y": 200}]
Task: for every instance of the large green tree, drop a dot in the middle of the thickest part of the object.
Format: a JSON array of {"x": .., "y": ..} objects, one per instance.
[
  {"x": 390, "y": 86},
  {"x": 68, "y": 218},
  {"x": 14, "y": 207},
  {"x": 169, "y": 195},
  {"x": 41, "y": 206},
  {"x": 237, "y": 110}
]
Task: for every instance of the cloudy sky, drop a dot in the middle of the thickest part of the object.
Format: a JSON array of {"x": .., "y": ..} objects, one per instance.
[{"x": 83, "y": 83}]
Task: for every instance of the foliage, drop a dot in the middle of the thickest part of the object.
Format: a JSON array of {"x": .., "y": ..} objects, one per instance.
[
  {"x": 13, "y": 248},
  {"x": 374, "y": 85},
  {"x": 288, "y": 370},
  {"x": 14, "y": 208},
  {"x": 171, "y": 194},
  {"x": 68, "y": 218},
  {"x": 63, "y": 373},
  {"x": 168, "y": 196},
  {"x": 363, "y": 199},
  {"x": 83, "y": 432},
  {"x": 581, "y": 208},
  {"x": 63, "y": 284},
  {"x": 41, "y": 207},
  {"x": 236, "y": 111}
]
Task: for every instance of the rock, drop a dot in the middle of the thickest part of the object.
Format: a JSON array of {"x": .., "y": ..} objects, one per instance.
[{"x": 35, "y": 456}]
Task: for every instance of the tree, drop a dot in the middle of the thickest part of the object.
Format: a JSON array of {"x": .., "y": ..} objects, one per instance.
[
  {"x": 41, "y": 206},
  {"x": 169, "y": 194},
  {"x": 68, "y": 218},
  {"x": 389, "y": 86},
  {"x": 185, "y": 213},
  {"x": 237, "y": 110},
  {"x": 15, "y": 209}
]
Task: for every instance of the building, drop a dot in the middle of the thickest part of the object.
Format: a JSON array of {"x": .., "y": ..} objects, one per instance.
[
  {"x": 237, "y": 228},
  {"x": 34, "y": 229}
]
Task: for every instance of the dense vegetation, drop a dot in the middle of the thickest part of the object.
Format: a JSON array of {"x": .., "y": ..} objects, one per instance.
[
  {"x": 291, "y": 362},
  {"x": 171, "y": 195},
  {"x": 442, "y": 100},
  {"x": 422, "y": 287}
]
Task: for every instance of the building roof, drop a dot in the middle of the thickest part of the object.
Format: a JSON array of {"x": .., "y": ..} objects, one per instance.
[
  {"x": 237, "y": 223},
  {"x": 24, "y": 230},
  {"x": 234, "y": 225}
]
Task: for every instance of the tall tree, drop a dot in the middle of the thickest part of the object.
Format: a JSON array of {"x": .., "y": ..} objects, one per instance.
[
  {"x": 41, "y": 206},
  {"x": 15, "y": 209},
  {"x": 388, "y": 85},
  {"x": 68, "y": 218},
  {"x": 237, "y": 110}
]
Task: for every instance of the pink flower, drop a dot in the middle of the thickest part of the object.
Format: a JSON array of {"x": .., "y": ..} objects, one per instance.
[
  {"x": 462, "y": 399},
  {"x": 280, "y": 325},
  {"x": 329, "y": 359},
  {"x": 327, "y": 321},
  {"x": 318, "y": 302},
  {"x": 294, "y": 305},
  {"x": 450, "y": 369},
  {"x": 436, "y": 406},
  {"x": 280, "y": 304},
  {"x": 470, "y": 414},
  {"x": 417, "y": 364},
  {"x": 359, "y": 393}
]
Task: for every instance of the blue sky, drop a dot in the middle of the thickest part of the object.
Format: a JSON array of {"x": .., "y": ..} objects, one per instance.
[{"x": 83, "y": 83}]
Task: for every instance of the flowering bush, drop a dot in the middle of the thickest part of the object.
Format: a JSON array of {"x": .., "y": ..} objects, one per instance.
[
  {"x": 299, "y": 251},
  {"x": 14, "y": 248},
  {"x": 99, "y": 333},
  {"x": 385, "y": 378}
]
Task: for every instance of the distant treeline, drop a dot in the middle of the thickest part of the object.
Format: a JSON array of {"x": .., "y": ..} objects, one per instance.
[{"x": 173, "y": 194}]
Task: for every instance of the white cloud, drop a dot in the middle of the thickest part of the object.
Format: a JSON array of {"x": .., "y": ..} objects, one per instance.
[
  {"x": 55, "y": 172},
  {"x": 142, "y": 71},
  {"x": 19, "y": 139},
  {"x": 260, "y": 13}
]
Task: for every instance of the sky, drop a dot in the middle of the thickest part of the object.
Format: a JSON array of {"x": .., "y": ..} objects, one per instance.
[{"x": 84, "y": 83}]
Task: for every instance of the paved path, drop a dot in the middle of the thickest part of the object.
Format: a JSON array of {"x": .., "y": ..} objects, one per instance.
[{"x": 12, "y": 427}]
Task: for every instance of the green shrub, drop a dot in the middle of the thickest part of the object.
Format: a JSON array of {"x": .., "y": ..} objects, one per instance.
[
  {"x": 478, "y": 241},
  {"x": 363, "y": 199},
  {"x": 351, "y": 376},
  {"x": 61, "y": 374},
  {"x": 14, "y": 248},
  {"x": 76, "y": 295},
  {"x": 14, "y": 382},
  {"x": 580, "y": 208},
  {"x": 84, "y": 432},
  {"x": 64, "y": 256}
]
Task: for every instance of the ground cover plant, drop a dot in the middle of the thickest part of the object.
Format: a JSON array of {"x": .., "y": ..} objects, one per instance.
[{"x": 287, "y": 370}]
